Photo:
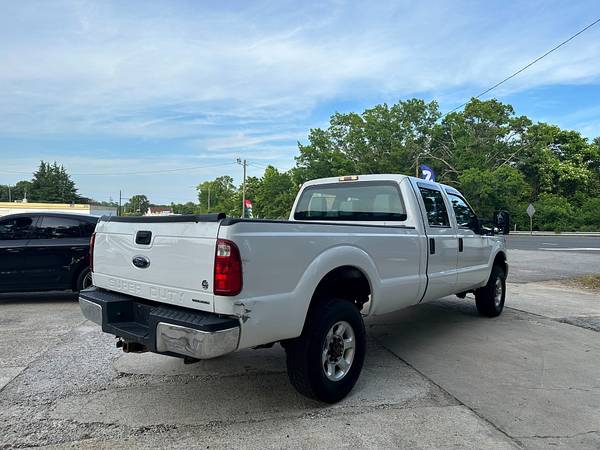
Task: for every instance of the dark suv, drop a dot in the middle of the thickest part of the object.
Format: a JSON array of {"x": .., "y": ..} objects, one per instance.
[{"x": 45, "y": 252}]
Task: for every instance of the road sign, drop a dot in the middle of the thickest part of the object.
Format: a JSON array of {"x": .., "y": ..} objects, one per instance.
[{"x": 530, "y": 212}]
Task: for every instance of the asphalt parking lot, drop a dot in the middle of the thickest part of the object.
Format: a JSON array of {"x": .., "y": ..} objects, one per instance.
[{"x": 436, "y": 376}]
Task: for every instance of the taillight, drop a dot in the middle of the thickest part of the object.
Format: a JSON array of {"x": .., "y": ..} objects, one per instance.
[
  {"x": 228, "y": 269},
  {"x": 91, "y": 256}
]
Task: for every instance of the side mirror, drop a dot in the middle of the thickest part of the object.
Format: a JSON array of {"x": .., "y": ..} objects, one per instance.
[
  {"x": 475, "y": 225},
  {"x": 485, "y": 228},
  {"x": 502, "y": 221}
]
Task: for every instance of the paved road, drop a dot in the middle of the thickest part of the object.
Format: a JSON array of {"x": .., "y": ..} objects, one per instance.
[
  {"x": 579, "y": 244},
  {"x": 436, "y": 376},
  {"x": 543, "y": 258}
]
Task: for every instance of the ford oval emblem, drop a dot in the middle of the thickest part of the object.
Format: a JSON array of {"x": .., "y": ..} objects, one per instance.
[{"x": 140, "y": 261}]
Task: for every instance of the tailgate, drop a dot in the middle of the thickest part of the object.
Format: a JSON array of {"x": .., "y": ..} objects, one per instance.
[{"x": 167, "y": 259}]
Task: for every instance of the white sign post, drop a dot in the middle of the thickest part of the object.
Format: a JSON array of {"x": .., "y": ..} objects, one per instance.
[{"x": 530, "y": 212}]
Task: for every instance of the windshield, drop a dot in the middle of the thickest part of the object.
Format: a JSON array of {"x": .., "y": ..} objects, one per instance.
[{"x": 356, "y": 201}]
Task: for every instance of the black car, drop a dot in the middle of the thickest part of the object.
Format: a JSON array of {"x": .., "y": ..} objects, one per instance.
[{"x": 45, "y": 252}]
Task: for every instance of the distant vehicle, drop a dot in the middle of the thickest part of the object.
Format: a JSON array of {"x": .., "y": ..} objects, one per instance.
[
  {"x": 45, "y": 252},
  {"x": 202, "y": 286}
]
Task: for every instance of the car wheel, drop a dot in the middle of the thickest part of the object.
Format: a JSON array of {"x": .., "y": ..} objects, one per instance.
[
  {"x": 84, "y": 280},
  {"x": 325, "y": 362},
  {"x": 490, "y": 298}
]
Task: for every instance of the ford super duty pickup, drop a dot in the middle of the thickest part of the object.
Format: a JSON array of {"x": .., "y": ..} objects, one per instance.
[{"x": 202, "y": 286}]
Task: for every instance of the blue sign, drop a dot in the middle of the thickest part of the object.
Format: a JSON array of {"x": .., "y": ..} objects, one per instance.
[{"x": 427, "y": 173}]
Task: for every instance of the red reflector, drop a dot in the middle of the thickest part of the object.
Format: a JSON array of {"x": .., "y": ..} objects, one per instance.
[
  {"x": 228, "y": 268},
  {"x": 91, "y": 255}
]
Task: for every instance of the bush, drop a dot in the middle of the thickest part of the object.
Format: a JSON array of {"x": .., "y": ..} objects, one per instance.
[{"x": 554, "y": 213}]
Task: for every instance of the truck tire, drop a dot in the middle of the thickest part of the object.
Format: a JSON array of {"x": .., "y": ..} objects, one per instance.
[
  {"x": 84, "y": 280},
  {"x": 490, "y": 298},
  {"x": 325, "y": 362}
]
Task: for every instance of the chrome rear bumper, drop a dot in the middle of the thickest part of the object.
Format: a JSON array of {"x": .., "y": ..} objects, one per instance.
[{"x": 161, "y": 328}]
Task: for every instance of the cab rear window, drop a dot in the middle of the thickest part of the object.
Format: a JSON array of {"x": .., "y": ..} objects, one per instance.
[{"x": 354, "y": 201}]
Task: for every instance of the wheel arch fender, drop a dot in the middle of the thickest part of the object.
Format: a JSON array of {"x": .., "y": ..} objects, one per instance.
[
  {"x": 498, "y": 258},
  {"x": 328, "y": 261}
]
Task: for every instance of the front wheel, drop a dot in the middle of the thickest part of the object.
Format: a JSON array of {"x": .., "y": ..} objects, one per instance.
[
  {"x": 325, "y": 362},
  {"x": 490, "y": 298}
]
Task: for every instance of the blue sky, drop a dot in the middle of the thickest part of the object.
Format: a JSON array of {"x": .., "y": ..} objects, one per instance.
[{"x": 109, "y": 88}]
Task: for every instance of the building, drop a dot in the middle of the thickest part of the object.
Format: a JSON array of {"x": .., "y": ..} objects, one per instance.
[
  {"x": 159, "y": 211},
  {"x": 23, "y": 207}
]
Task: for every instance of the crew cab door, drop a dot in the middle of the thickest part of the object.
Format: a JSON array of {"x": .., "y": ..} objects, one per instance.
[
  {"x": 14, "y": 235},
  {"x": 55, "y": 248},
  {"x": 441, "y": 241},
  {"x": 474, "y": 249}
]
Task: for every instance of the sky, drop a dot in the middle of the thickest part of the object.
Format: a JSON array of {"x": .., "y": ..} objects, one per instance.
[{"x": 125, "y": 94}]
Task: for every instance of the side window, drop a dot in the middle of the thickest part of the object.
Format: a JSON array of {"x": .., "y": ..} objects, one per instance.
[
  {"x": 437, "y": 215},
  {"x": 465, "y": 217},
  {"x": 16, "y": 228},
  {"x": 57, "y": 228},
  {"x": 87, "y": 228}
]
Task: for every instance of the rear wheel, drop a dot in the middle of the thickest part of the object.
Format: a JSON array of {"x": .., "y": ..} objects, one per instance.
[
  {"x": 325, "y": 362},
  {"x": 490, "y": 298},
  {"x": 84, "y": 280}
]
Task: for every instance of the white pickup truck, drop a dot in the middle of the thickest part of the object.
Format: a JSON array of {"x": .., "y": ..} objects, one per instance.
[{"x": 201, "y": 286}]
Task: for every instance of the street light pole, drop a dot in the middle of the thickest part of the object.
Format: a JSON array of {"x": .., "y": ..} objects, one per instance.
[{"x": 244, "y": 164}]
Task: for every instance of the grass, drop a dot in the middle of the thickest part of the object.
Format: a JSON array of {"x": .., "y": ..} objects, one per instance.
[{"x": 591, "y": 282}]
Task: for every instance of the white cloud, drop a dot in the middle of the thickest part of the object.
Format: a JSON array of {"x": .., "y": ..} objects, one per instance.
[{"x": 241, "y": 77}]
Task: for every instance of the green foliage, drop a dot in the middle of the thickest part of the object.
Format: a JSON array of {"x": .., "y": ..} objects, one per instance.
[
  {"x": 272, "y": 195},
  {"x": 554, "y": 213},
  {"x": 51, "y": 183},
  {"x": 186, "y": 208},
  {"x": 136, "y": 206},
  {"x": 589, "y": 214},
  {"x": 498, "y": 159},
  {"x": 489, "y": 190},
  {"x": 220, "y": 195},
  {"x": 19, "y": 191}
]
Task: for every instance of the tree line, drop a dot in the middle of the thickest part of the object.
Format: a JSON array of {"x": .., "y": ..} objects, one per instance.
[{"x": 498, "y": 159}]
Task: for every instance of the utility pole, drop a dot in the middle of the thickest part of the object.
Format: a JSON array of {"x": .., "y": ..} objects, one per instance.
[
  {"x": 119, "y": 212},
  {"x": 9, "y": 196},
  {"x": 244, "y": 164}
]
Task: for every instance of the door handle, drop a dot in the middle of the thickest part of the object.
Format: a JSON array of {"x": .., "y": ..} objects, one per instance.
[
  {"x": 431, "y": 246},
  {"x": 460, "y": 244}
]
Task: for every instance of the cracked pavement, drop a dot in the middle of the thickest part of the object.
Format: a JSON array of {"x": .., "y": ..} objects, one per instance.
[{"x": 436, "y": 376}]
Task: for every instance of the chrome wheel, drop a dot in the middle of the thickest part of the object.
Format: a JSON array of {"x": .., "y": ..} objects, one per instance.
[
  {"x": 498, "y": 293},
  {"x": 338, "y": 351},
  {"x": 87, "y": 281}
]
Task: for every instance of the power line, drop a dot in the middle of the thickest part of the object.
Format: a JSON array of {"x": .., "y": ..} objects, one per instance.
[{"x": 595, "y": 22}]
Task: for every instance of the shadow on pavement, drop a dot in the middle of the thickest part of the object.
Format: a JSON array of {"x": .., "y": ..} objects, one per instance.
[{"x": 41, "y": 297}]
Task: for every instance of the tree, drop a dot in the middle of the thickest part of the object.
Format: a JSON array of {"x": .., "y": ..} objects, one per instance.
[
  {"x": 137, "y": 205},
  {"x": 491, "y": 190},
  {"x": 274, "y": 198},
  {"x": 18, "y": 191},
  {"x": 51, "y": 183},
  {"x": 186, "y": 208},
  {"x": 382, "y": 139},
  {"x": 223, "y": 196}
]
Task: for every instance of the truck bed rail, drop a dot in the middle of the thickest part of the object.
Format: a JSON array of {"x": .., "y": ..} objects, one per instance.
[{"x": 166, "y": 219}]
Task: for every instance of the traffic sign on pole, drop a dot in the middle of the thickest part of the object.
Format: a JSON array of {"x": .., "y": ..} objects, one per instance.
[{"x": 530, "y": 213}]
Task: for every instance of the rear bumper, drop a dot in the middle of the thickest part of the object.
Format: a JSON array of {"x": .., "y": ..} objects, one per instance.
[{"x": 161, "y": 328}]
